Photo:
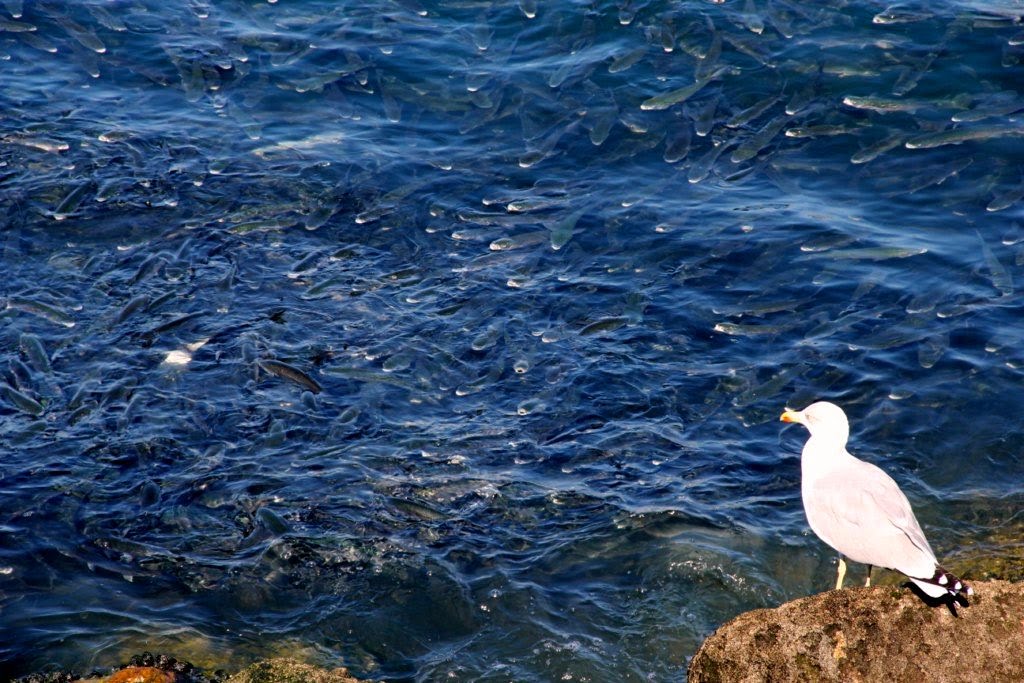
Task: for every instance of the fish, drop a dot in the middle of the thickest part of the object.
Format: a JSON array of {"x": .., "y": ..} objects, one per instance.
[
  {"x": 369, "y": 376},
  {"x": 751, "y": 18},
  {"x": 770, "y": 387},
  {"x": 147, "y": 337},
  {"x": 701, "y": 168},
  {"x": 627, "y": 60},
  {"x": 704, "y": 119},
  {"x": 603, "y": 325},
  {"x": 561, "y": 230},
  {"x": 750, "y": 147},
  {"x": 489, "y": 337},
  {"x": 34, "y": 350},
  {"x": 533, "y": 204},
  {"x": 831, "y": 327},
  {"x": 898, "y": 14},
  {"x": 134, "y": 305},
  {"x": 86, "y": 37},
  {"x": 601, "y": 121},
  {"x": 745, "y": 116},
  {"x": 691, "y": 40},
  {"x": 530, "y": 405},
  {"x": 874, "y": 253},
  {"x": 528, "y": 8},
  {"x": 822, "y": 130},
  {"x": 934, "y": 176},
  {"x": 887, "y": 105},
  {"x": 997, "y": 273},
  {"x": 986, "y": 111},
  {"x": 1006, "y": 199},
  {"x": 72, "y": 200},
  {"x": 417, "y": 509},
  {"x": 750, "y": 46},
  {"x": 679, "y": 95},
  {"x": 106, "y": 18},
  {"x": 39, "y": 143},
  {"x": 305, "y": 144},
  {"x": 291, "y": 373},
  {"x": 752, "y": 330},
  {"x": 547, "y": 144},
  {"x": 678, "y": 144},
  {"x": 397, "y": 362},
  {"x": 875, "y": 150},
  {"x": 801, "y": 99},
  {"x": 148, "y": 267},
  {"x": 523, "y": 239},
  {"x": 957, "y": 136},
  {"x": 262, "y": 225},
  {"x": 305, "y": 265},
  {"x": 712, "y": 56},
  {"x": 21, "y": 401},
  {"x": 931, "y": 349},
  {"x": 8, "y": 26},
  {"x": 81, "y": 394},
  {"x": 46, "y": 311},
  {"x": 34, "y": 40}
]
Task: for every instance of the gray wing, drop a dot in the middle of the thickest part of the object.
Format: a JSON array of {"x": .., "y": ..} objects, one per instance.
[{"x": 860, "y": 511}]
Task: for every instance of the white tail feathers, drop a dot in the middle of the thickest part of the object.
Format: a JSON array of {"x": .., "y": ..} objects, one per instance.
[{"x": 943, "y": 583}]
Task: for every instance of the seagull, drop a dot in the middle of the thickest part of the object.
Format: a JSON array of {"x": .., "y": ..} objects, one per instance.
[{"x": 859, "y": 510}]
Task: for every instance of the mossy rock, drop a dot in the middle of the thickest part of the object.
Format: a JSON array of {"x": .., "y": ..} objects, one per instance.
[
  {"x": 872, "y": 634},
  {"x": 290, "y": 671}
]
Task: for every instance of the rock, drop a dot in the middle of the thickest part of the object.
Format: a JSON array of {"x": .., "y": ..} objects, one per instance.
[
  {"x": 872, "y": 634},
  {"x": 290, "y": 671},
  {"x": 142, "y": 674}
]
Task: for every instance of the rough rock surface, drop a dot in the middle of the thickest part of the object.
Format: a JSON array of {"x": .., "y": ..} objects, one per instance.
[
  {"x": 872, "y": 634},
  {"x": 289, "y": 671}
]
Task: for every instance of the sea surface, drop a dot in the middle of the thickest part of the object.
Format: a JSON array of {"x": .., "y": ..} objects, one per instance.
[{"x": 447, "y": 341}]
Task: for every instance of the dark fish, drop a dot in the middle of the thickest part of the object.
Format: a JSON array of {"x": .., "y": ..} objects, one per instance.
[
  {"x": 71, "y": 201},
  {"x": 139, "y": 302},
  {"x": 22, "y": 402},
  {"x": 34, "y": 350},
  {"x": 290, "y": 372}
]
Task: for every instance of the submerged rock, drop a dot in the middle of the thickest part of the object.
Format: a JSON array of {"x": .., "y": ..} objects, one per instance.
[
  {"x": 872, "y": 634},
  {"x": 149, "y": 668},
  {"x": 285, "y": 670}
]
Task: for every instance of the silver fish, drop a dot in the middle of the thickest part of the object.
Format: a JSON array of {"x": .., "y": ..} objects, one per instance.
[
  {"x": 625, "y": 61},
  {"x": 885, "y": 105},
  {"x": 935, "y": 176},
  {"x": 986, "y": 111},
  {"x": 673, "y": 97},
  {"x": 750, "y": 147},
  {"x": 875, "y": 253},
  {"x": 960, "y": 135},
  {"x": 704, "y": 119},
  {"x": 873, "y": 151},
  {"x": 41, "y": 309},
  {"x": 1006, "y": 199},
  {"x": 747, "y": 115},
  {"x": 997, "y": 273},
  {"x": 700, "y": 168}
]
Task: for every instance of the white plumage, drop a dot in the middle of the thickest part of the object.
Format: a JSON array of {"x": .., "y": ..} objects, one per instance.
[{"x": 859, "y": 510}]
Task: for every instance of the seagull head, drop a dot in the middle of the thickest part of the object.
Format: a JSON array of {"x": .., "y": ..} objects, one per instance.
[{"x": 822, "y": 419}]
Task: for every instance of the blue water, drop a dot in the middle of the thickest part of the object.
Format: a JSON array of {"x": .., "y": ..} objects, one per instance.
[{"x": 554, "y": 316}]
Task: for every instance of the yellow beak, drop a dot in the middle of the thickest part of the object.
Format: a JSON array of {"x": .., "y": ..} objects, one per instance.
[{"x": 790, "y": 416}]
